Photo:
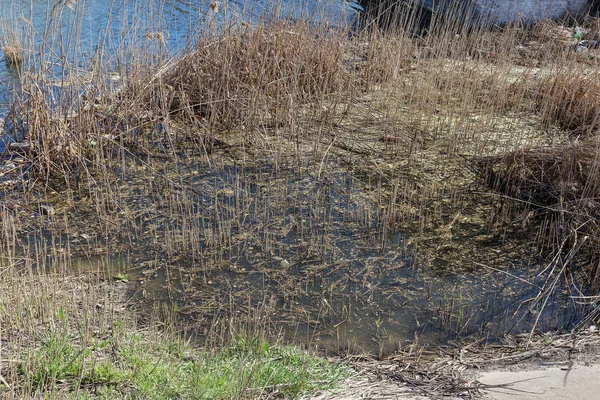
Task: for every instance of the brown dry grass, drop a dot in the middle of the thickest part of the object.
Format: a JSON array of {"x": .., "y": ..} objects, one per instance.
[
  {"x": 298, "y": 78},
  {"x": 571, "y": 98},
  {"x": 547, "y": 176},
  {"x": 283, "y": 74},
  {"x": 559, "y": 187},
  {"x": 260, "y": 73},
  {"x": 12, "y": 54}
]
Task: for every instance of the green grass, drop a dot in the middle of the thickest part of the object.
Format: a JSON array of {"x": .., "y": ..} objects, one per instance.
[{"x": 129, "y": 365}]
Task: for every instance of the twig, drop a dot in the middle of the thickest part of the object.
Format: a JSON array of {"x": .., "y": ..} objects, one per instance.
[
  {"x": 4, "y": 382},
  {"x": 325, "y": 156},
  {"x": 568, "y": 259},
  {"x": 509, "y": 274}
]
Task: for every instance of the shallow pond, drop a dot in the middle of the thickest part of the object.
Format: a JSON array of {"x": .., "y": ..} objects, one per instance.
[
  {"x": 306, "y": 250},
  {"x": 288, "y": 239}
]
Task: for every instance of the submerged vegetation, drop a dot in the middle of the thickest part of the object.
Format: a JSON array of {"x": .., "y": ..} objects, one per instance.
[{"x": 352, "y": 189}]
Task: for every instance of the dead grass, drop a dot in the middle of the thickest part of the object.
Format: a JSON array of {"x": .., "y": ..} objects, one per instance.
[
  {"x": 11, "y": 44},
  {"x": 262, "y": 74},
  {"x": 406, "y": 113},
  {"x": 12, "y": 54},
  {"x": 571, "y": 98},
  {"x": 558, "y": 187},
  {"x": 547, "y": 176},
  {"x": 277, "y": 74}
]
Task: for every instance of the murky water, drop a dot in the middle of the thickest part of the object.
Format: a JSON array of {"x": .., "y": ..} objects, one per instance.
[{"x": 311, "y": 256}]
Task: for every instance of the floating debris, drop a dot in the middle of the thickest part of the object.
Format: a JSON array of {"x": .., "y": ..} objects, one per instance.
[
  {"x": 13, "y": 55},
  {"x": 24, "y": 147},
  {"x": 588, "y": 45}
]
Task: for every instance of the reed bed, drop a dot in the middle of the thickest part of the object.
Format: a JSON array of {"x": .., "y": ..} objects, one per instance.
[
  {"x": 556, "y": 186},
  {"x": 569, "y": 97},
  {"x": 279, "y": 172},
  {"x": 260, "y": 75}
]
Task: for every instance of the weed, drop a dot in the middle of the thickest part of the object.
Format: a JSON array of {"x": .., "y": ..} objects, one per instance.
[{"x": 134, "y": 366}]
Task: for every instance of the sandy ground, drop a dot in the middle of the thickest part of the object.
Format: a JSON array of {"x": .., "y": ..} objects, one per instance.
[
  {"x": 364, "y": 388},
  {"x": 565, "y": 372},
  {"x": 548, "y": 381}
]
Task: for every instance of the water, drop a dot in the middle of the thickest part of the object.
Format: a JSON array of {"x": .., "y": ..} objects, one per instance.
[
  {"x": 71, "y": 36},
  {"x": 311, "y": 258}
]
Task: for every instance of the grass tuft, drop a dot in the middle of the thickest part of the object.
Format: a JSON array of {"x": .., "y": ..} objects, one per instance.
[
  {"x": 133, "y": 366},
  {"x": 571, "y": 99},
  {"x": 13, "y": 55}
]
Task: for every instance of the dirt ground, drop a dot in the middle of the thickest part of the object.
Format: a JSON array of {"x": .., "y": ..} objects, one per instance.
[{"x": 569, "y": 374}]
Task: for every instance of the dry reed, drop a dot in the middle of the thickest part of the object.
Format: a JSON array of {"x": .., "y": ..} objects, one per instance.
[
  {"x": 281, "y": 88},
  {"x": 571, "y": 98},
  {"x": 264, "y": 73}
]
